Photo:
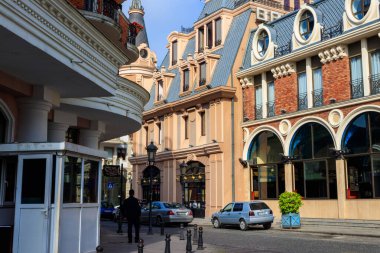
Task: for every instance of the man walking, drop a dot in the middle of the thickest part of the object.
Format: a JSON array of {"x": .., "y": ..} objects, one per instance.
[{"x": 132, "y": 210}]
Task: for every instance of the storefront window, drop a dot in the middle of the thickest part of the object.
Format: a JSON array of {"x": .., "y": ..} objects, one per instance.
[
  {"x": 145, "y": 183},
  {"x": 72, "y": 180},
  {"x": 90, "y": 187},
  {"x": 33, "y": 191}
]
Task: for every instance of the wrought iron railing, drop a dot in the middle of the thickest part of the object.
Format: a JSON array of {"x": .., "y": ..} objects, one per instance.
[
  {"x": 302, "y": 101},
  {"x": 283, "y": 50},
  {"x": 271, "y": 107},
  {"x": 132, "y": 39},
  {"x": 375, "y": 84},
  {"x": 107, "y": 8},
  {"x": 202, "y": 82},
  {"x": 218, "y": 42},
  {"x": 186, "y": 29},
  {"x": 333, "y": 31},
  {"x": 357, "y": 88},
  {"x": 318, "y": 97},
  {"x": 258, "y": 112}
]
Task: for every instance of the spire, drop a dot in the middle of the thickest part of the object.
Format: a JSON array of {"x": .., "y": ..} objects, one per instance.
[{"x": 136, "y": 14}]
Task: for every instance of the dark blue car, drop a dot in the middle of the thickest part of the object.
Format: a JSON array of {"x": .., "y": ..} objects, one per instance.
[{"x": 106, "y": 210}]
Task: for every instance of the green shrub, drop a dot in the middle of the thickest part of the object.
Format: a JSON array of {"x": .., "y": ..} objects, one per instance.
[{"x": 290, "y": 202}]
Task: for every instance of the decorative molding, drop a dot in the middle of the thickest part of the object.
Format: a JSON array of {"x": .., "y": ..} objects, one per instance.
[
  {"x": 246, "y": 82},
  {"x": 335, "y": 118},
  {"x": 333, "y": 54},
  {"x": 246, "y": 134},
  {"x": 283, "y": 70},
  {"x": 284, "y": 127}
]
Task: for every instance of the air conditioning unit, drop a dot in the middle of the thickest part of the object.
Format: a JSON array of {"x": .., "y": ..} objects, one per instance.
[
  {"x": 275, "y": 15},
  {"x": 262, "y": 14}
]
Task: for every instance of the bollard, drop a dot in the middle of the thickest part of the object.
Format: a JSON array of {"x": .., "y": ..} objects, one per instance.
[
  {"x": 195, "y": 235},
  {"x": 162, "y": 227},
  {"x": 200, "y": 239},
  {"x": 167, "y": 245},
  {"x": 99, "y": 249},
  {"x": 181, "y": 232},
  {"x": 188, "y": 244},
  {"x": 140, "y": 246}
]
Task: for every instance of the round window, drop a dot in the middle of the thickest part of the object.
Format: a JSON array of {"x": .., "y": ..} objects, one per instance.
[
  {"x": 143, "y": 53},
  {"x": 306, "y": 25},
  {"x": 262, "y": 43},
  {"x": 360, "y": 8}
]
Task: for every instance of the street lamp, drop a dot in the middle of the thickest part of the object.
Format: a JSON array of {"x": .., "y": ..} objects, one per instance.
[
  {"x": 151, "y": 150},
  {"x": 121, "y": 153},
  {"x": 183, "y": 167}
]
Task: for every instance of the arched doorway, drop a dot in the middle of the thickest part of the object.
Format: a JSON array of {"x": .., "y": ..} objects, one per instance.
[
  {"x": 194, "y": 188},
  {"x": 3, "y": 127},
  {"x": 361, "y": 141},
  {"x": 156, "y": 182},
  {"x": 267, "y": 170},
  {"x": 314, "y": 168}
]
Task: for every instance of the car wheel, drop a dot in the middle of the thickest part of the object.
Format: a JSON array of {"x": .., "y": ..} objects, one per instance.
[
  {"x": 267, "y": 225},
  {"x": 243, "y": 225},
  {"x": 158, "y": 221},
  {"x": 216, "y": 223}
]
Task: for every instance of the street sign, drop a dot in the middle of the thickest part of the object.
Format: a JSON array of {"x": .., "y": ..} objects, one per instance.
[
  {"x": 111, "y": 170},
  {"x": 110, "y": 185}
]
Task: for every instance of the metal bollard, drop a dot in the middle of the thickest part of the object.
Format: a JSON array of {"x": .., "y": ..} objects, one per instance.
[
  {"x": 200, "y": 239},
  {"x": 167, "y": 244},
  {"x": 162, "y": 227},
  {"x": 181, "y": 232},
  {"x": 195, "y": 235},
  {"x": 188, "y": 244},
  {"x": 99, "y": 249},
  {"x": 140, "y": 246}
]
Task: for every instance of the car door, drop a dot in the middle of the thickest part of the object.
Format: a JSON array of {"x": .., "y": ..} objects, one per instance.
[
  {"x": 236, "y": 213},
  {"x": 225, "y": 214}
]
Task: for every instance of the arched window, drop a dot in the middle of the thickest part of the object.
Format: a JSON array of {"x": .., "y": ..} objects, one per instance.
[
  {"x": 267, "y": 172},
  {"x": 361, "y": 140},
  {"x": 360, "y": 8},
  {"x": 314, "y": 168},
  {"x": 262, "y": 43},
  {"x": 3, "y": 127},
  {"x": 306, "y": 25}
]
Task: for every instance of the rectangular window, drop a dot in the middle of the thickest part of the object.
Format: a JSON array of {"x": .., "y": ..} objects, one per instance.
[
  {"x": 90, "y": 184},
  {"x": 296, "y": 4},
  {"x": 201, "y": 35},
  {"x": 317, "y": 89},
  {"x": 359, "y": 177},
  {"x": 160, "y": 90},
  {"x": 186, "y": 123},
  {"x": 174, "y": 52},
  {"x": 357, "y": 89},
  {"x": 159, "y": 141},
  {"x": 302, "y": 91},
  {"x": 72, "y": 180},
  {"x": 9, "y": 174},
  {"x": 271, "y": 99},
  {"x": 202, "y": 74},
  {"x": 109, "y": 151},
  {"x": 258, "y": 102},
  {"x": 146, "y": 136},
  {"x": 33, "y": 191},
  {"x": 203, "y": 123},
  {"x": 209, "y": 35},
  {"x": 375, "y": 72},
  {"x": 238, "y": 207},
  {"x": 218, "y": 32},
  {"x": 186, "y": 80},
  {"x": 271, "y": 181}
]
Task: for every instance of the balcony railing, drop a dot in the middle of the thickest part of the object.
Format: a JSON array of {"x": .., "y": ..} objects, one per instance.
[
  {"x": 269, "y": 3},
  {"x": 186, "y": 30},
  {"x": 375, "y": 84},
  {"x": 357, "y": 88},
  {"x": 271, "y": 107},
  {"x": 318, "y": 97},
  {"x": 107, "y": 8},
  {"x": 333, "y": 31},
  {"x": 202, "y": 82},
  {"x": 302, "y": 101},
  {"x": 132, "y": 39},
  {"x": 283, "y": 50},
  {"x": 258, "y": 112}
]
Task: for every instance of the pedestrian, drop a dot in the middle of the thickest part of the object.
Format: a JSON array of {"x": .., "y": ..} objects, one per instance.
[{"x": 132, "y": 210}]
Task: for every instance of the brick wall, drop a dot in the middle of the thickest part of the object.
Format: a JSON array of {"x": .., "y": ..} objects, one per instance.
[
  {"x": 79, "y": 4},
  {"x": 286, "y": 93},
  {"x": 124, "y": 29},
  {"x": 249, "y": 103},
  {"x": 336, "y": 80}
]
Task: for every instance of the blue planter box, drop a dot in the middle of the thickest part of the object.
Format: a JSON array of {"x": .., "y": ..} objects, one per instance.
[{"x": 291, "y": 220}]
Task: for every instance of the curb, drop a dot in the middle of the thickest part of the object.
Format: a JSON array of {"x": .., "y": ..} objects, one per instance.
[{"x": 326, "y": 233}]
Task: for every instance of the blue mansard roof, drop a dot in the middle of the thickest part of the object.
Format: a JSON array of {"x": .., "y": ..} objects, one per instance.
[
  {"x": 215, "y": 5},
  {"x": 223, "y": 68},
  {"x": 331, "y": 13}
]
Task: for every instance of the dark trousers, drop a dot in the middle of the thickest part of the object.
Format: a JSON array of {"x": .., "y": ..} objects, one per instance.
[{"x": 136, "y": 224}]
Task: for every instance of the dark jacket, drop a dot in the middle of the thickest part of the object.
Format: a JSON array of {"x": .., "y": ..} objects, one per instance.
[{"x": 131, "y": 208}]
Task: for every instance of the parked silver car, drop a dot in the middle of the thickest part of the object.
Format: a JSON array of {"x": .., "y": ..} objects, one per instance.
[
  {"x": 244, "y": 214},
  {"x": 166, "y": 212}
]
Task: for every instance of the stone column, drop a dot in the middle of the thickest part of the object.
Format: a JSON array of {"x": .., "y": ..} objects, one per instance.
[
  {"x": 33, "y": 120},
  {"x": 57, "y": 131},
  {"x": 341, "y": 186},
  {"x": 90, "y": 138},
  {"x": 289, "y": 177}
]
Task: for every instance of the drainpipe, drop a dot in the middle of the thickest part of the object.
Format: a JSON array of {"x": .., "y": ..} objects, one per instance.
[{"x": 233, "y": 139}]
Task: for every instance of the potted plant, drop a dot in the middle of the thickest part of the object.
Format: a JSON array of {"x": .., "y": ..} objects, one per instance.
[{"x": 290, "y": 203}]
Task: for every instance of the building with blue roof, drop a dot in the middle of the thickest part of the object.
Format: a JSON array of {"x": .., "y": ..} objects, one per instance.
[{"x": 311, "y": 112}]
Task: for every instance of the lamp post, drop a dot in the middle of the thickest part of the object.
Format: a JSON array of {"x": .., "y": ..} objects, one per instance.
[
  {"x": 183, "y": 168},
  {"x": 121, "y": 153},
  {"x": 151, "y": 151}
]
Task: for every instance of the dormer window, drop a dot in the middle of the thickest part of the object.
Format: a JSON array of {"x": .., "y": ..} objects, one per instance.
[
  {"x": 160, "y": 90},
  {"x": 306, "y": 25},
  {"x": 201, "y": 35},
  {"x": 209, "y": 35},
  {"x": 262, "y": 43},
  {"x": 218, "y": 32},
  {"x": 174, "y": 52},
  {"x": 202, "y": 74},
  {"x": 186, "y": 80},
  {"x": 360, "y": 8}
]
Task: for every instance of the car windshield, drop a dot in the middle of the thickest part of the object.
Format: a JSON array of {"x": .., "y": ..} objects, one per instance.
[
  {"x": 106, "y": 205},
  {"x": 258, "y": 206},
  {"x": 172, "y": 205}
]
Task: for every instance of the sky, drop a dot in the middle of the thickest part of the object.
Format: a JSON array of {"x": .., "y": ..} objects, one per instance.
[{"x": 164, "y": 16}]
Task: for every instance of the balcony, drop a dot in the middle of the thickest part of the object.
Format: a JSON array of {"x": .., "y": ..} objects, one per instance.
[
  {"x": 317, "y": 97},
  {"x": 302, "y": 101},
  {"x": 271, "y": 107},
  {"x": 375, "y": 84},
  {"x": 332, "y": 31},
  {"x": 357, "y": 90},
  {"x": 258, "y": 112}
]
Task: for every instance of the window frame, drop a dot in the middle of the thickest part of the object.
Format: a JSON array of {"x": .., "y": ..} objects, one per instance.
[
  {"x": 186, "y": 87},
  {"x": 202, "y": 116},
  {"x": 263, "y": 37},
  {"x": 186, "y": 127},
  {"x": 310, "y": 21},
  {"x": 160, "y": 90},
  {"x": 218, "y": 32},
  {"x": 363, "y": 9},
  {"x": 174, "y": 52},
  {"x": 202, "y": 76}
]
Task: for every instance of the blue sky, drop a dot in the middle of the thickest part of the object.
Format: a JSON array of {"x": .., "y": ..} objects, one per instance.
[{"x": 165, "y": 16}]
